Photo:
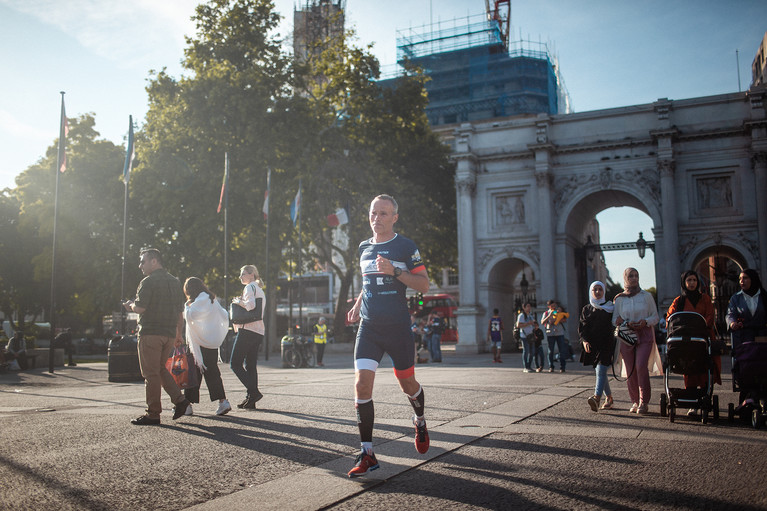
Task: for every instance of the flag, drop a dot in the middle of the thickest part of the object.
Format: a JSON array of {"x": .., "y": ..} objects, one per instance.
[
  {"x": 265, "y": 209},
  {"x": 340, "y": 217},
  {"x": 63, "y": 132},
  {"x": 295, "y": 207},
  {"x": 130, "y": 152},
  {"x": 224, "y": 183}
]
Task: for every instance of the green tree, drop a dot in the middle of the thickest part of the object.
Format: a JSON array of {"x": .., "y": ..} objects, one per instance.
[
  {"x": 369, "y": 139},
  {"x": 88, "y": 230},
  {"x": 236, "y": 99}
]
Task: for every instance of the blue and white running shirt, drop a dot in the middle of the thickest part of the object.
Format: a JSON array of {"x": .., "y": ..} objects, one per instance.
[{"x": 383, "y": 296}]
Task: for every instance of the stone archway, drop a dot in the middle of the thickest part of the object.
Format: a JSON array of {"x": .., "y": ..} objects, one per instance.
[
  {"x": 573, "y": 272},
  {"x": 503, "y": 289}
]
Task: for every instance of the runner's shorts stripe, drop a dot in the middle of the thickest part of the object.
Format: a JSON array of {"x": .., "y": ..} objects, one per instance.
[{"x": 375, "y": 340}]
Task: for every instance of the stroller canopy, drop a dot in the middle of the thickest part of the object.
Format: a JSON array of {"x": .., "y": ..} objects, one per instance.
[{"x": 687, "y": 324}]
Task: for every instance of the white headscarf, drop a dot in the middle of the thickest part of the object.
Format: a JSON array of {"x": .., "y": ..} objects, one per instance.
[{"x": 604, "y": 304}]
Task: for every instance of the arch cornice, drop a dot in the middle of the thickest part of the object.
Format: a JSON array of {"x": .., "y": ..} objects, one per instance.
[
  {"x": 691, "y": 247},
  {"x": 489, "y": 257},
  {"x": 640, "y": 183}
]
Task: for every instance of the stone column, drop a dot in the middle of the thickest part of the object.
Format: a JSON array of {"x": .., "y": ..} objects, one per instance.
[
  {"x": 760, "y": 180},
  {"x": 670, "y": 270},
  {"x": 544, "y": 180},
  {"x": 470, "y": 338}
]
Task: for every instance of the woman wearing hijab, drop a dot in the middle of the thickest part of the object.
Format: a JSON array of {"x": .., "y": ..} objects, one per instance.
[
  {"x": 637, "y": 307},
  {"x": 206, "y": 326},
  {"x": 596, "y": 332},
  {"x": 747, "y": 318},
  {"x": 693, "y": 299}
]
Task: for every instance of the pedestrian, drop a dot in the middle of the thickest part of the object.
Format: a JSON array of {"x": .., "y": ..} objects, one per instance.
[
  {"x": 390, "y": 263},
  {"x": 159, "y": 303},
  {"x": 320, "y": 339},
  {"x": 637, "y": 307},
  {"x": 540, "y": 360},
  {"x": 207, "y": 324},
  {"x": 435, "y": 340},
  {"x": 249, "y": 336},
  {"x": 526, "y": 323},
  {"x": 555, "y": 335},
  {"x": 16, "y": 351},
  {"x": 747, "y": 320},
  {"x": 596, "y": 332},
  {"x": 495, "y": 334},
  {"x": 693, "y": 298},
  {"x": 64, "y": 341}
]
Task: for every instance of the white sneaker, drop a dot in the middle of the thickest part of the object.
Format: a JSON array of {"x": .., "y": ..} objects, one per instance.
[
  {"x": 692, "y": 412},
  {"x": 634, "y": 408},
  {"x": 643, "y": 409},
  {"x": 223, "y": 407},
  {"x": 189, "y": 410}
]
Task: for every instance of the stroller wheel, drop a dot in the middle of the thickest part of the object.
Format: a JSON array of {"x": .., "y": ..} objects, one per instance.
[
  {"x": 716, "y": 407},
  {"x": 663, "y": 405},
  {"x": 704, "y": 417},
  {"x": 730, "y": 412},
  {"x": 671, "y": 413}
]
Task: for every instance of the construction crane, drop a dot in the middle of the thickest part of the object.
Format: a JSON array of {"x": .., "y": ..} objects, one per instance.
[{"x": 500, "y": 15}]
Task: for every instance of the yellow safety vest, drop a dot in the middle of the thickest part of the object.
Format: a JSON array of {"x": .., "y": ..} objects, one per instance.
[{"x": 320, "y": 334}]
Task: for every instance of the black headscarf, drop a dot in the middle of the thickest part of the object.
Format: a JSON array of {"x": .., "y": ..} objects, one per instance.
[
  {"x": 692, "y": 296},
  {"x": 756, "y": 283}
]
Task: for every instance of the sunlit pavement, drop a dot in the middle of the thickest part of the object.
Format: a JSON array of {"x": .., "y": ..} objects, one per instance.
[{"x": 500, "y": 439}]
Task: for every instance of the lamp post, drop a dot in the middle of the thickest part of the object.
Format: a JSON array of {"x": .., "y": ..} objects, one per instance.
[{"x": 641, "y": 246}]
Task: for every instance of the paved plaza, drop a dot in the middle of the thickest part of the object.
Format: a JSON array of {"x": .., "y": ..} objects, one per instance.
[{"x": 500, "y": 439}]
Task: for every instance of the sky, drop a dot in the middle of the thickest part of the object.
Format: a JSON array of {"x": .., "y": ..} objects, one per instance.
[{"x": 611, "y": 54}]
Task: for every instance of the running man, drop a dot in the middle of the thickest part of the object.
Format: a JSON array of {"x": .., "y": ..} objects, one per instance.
[{"x": 390, "y": 263}]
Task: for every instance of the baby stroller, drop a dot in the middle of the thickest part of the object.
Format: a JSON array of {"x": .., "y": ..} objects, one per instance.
[
  {"x": 688, "y": 351},
  {"x": 749, "y": 375}
]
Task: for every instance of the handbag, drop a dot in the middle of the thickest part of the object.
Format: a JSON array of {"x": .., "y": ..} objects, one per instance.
[
  {"x": 241, "y": 316},
  {"x": 625, "y": 334},
  {"x": 517, "y": 333},
  {"x": 181, "y": 366}
]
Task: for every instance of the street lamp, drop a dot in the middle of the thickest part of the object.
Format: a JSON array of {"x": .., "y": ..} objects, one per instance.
[{"x": 641, "y": 246}]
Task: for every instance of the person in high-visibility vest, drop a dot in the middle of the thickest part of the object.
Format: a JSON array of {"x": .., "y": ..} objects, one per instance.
[{"x": 320, "y": 339}]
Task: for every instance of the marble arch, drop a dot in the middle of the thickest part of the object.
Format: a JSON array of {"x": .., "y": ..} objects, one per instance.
[{"x": 527, "y": 188}]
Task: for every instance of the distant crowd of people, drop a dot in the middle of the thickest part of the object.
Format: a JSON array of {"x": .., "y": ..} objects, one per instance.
[{"x": 621, "y": 332}]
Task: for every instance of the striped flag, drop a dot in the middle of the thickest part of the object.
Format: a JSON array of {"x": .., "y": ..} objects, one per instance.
[
  {"x": 295, "y": 207},
  {"x": 340, "y": 217},
  {"x": 265, "y": 209},
  {"x": 225, "y": 183},
  {"x": 63, "y": 132},
  {"x": 130, "y": 152}
]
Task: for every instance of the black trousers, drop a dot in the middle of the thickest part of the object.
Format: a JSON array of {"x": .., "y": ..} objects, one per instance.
[{"x": 212, "y": 378}]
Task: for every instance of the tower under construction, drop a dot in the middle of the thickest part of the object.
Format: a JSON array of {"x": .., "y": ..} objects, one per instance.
[
  {"x": 314, "y": 23},
  {"x": 476, "y": 71}
]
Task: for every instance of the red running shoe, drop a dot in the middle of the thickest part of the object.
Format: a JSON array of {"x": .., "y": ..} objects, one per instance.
[
  {"x": 365, "y": 462},
  {"x": 421, "y": 437}
]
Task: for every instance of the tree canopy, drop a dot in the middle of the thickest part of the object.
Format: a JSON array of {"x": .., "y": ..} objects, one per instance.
[{"x": 325, "y": 121}]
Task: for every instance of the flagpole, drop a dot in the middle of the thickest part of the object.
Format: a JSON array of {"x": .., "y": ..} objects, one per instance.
[
  {"x": 62, "y": 148},
  {"x": 126, "y": 176},
  {"x": 226, "y": 226},
  {"x": 300, "y": 287},
  {"x": 268, "y": 217}
]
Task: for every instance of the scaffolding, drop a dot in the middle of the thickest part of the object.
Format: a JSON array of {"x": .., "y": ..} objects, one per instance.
[{"x": 477, "y": 73}]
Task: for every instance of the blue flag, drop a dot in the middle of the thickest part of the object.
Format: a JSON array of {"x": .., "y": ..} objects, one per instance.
[
  {"x": 295, "y": 206},
  {"x": 130, "y": 153}
]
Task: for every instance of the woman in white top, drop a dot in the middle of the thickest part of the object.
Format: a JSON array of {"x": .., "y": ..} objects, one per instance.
[
  {"x": 249, "y": 336},
  {"x": 638, "y": 308},
  {"x": 206, "y": 326}
]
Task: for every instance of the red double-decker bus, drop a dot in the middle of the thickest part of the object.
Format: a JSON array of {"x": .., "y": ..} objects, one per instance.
[{"x": 423, "y": 305}]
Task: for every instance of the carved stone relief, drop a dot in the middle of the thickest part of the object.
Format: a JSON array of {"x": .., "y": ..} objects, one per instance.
[
  {"x": 509, "y": 210},
  {"x": 714, "y": 192},
  {"x": 640, "y": 179}
]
